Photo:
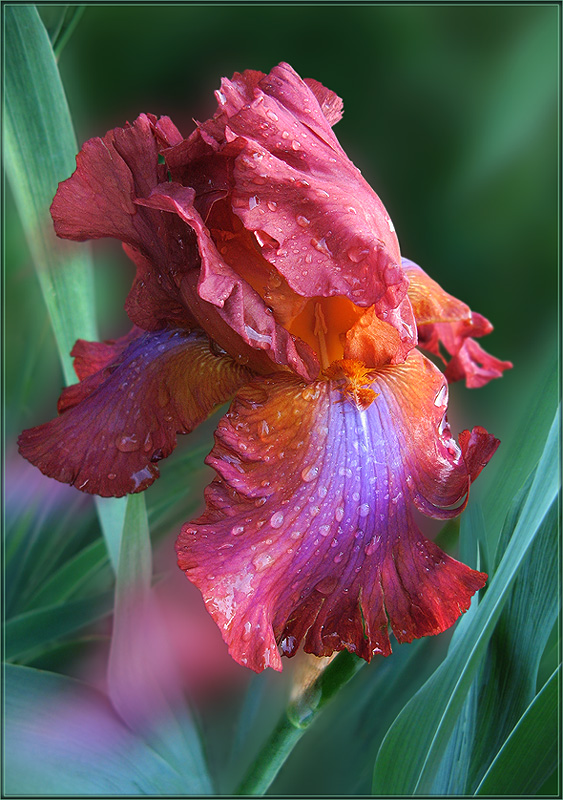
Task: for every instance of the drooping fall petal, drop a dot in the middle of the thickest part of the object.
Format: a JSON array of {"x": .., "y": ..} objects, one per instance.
[
  {"x": 444, "y": 320},
  {"x": 118, "y": 422},
  {"x": 309, "y": 535}
]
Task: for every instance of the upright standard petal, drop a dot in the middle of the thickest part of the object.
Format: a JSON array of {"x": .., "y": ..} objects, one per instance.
[
  {"x": 98, "y": 200},
  {"x": 315, "y": 218},
  {"x": 226, "y": 305},
  {"x": 119, "y": 421},
  {"x": 444, "y": 320},
  {"x": 309, "y": 535}
]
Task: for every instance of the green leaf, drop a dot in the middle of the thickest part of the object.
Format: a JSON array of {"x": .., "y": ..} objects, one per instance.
[
  {"x": 69, "y": 21},
  {"x": 143, "y": 686},
  {"x": 413, "y": 747},
  {"x": 514, "y": 460},
  {"x": 511, "y": 668},
  {"x": 39, "y": 152},
  {"x": 72, "y": 575},
  {"x": 530, "y": 754},
  {"x": 30, "y": 631},
  {"x": 63, "y": 738},
  {"x": 40, "y": 148}
]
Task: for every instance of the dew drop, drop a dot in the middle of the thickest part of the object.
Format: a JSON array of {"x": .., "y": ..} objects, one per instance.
[
  {"x": 357, "y": 253},
  {"x": 272, "y": 205},
  {"x": 127, "y": 444},
  {"x": 302, "y": 221},
  {"x": 364, "y": 510},
  {"x": 339, "y": 514},
  {"x": 236, "y": 530},
  {"x": 296, "y": 145},
  {"x": 310, "y": 473},
  {"x": 262, "y": 561},
  {"x": 288, "y": 645},
  {"x": 321, "y": 246},
  {"x": 338, "y": 558},
  {"x": 276, "y": 520},
  {"x": 441, "y": 396},
  {"x": 253, "y": 202},
  {"x": 271, "y": 115},
  {"x": 112, "y": 476}
]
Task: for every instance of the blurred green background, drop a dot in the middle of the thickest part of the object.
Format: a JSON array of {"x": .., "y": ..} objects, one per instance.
[{"x": 451, "y": 113}]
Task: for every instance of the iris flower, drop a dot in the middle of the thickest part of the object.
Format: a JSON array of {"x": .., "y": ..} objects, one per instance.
[{"x": 268, "y": 269}]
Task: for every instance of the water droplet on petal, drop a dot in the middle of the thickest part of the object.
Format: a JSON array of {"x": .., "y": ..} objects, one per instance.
[
  {"x": 310, "y": 473},
  {"x": 236, "y": 530},
  {"x": 357, "y": 253},
  {"x": 127, "y": 444},
  {"x": 364, "y": 510},
  {"x": 295, "y": 144},
  {"x": 339, "y": 514},
  {"x": 321, "y": 246},
  {"x": 271, "y": 115},
  {"x": 276, "y": 520},
  {"x": 288, "y": 645},
  {"x": 441, "y": 396},
  {"x": 302, "y": 221},
  {"x": 272, "y": 205}
]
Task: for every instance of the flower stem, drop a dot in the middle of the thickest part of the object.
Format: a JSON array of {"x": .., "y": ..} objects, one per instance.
[{"x": 295, "y": 720}]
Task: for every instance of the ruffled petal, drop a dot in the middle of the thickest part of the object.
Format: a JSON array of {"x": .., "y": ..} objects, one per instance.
[
  {"x": 118, "y": 422},
  {"x": 316, "y": 219},
  {"x": 98, "y": 200},
  {"x": 309, "y": 535},
  {"x": 444, "y": 320},
  {"x": 232, "y": 312}
]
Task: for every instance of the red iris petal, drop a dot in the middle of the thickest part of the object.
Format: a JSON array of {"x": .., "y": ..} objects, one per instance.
[
  {"x": 119, "y": 421},
  {"x": 228, "y": 307},
  {"x": 316, "y": 219},
  {"x": 309, "y": 533},
  {"x": 444, "y": 320},
  {"x": 98, "y": 200}
]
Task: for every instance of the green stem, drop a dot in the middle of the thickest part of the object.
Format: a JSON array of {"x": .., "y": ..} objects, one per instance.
[{"x": 295, "y": 721}]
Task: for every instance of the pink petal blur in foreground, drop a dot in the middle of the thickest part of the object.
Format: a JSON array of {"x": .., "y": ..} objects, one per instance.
[{"x": 266, "y": 268}]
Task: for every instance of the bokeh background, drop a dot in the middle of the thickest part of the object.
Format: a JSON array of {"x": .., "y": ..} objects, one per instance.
[{"x": 451, "y": 113}]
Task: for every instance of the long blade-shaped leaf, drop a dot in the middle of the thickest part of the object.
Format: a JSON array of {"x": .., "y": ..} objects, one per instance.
[
  {"x": 412, "y": 749},
  {"x": 35, "y": 629},
  {"x": 530, "y": 754},
  {"x": 516, "y": 647},
  {"x": 40, "y": 148}
]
